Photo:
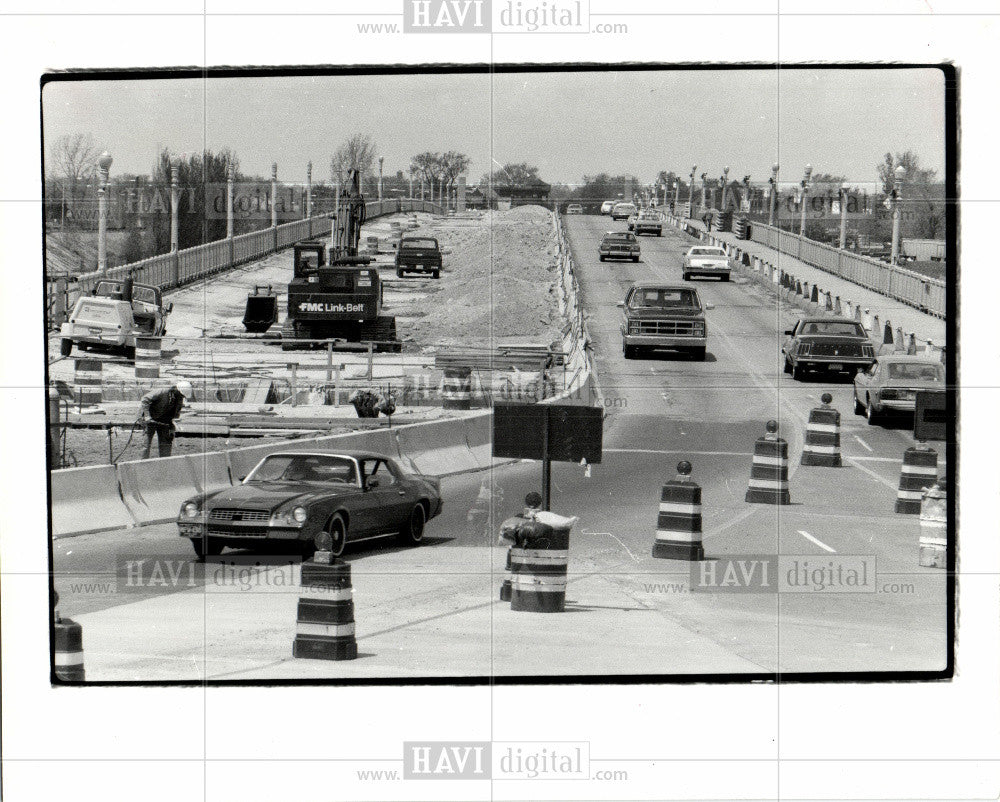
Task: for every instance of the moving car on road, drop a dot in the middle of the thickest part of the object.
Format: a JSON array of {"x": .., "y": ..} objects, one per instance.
[
  {"x": 574, "y": 208},
  {"x": 706, "y": 260},
  {"x": 664, "y": 316},
  {"x": 623, "y": 211},
  {"x": 607, "y": 206},
  {"x": 292, "y": 496},
  {"x": 618, "y": 245},
  {"x": 890, "y": 385},
  {"x": 649, "y": 221},
  {"x": 831, "y": 344},
  {"x": 420, "y": 254}
]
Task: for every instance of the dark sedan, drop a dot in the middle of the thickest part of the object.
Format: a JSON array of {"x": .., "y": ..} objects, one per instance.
[
  {"x": 830, "y": 344},
  {"x": 292, "y": 496}
]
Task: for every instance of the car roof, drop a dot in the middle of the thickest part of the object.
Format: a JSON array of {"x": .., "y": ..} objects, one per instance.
[
  {"x": 822, "y": 319},
  {"x": 618, "y": 234},
  {"x": 661, "y": 285}
]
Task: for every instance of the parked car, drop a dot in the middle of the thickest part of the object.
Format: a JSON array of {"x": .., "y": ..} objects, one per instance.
[
  {"x": 890, "y": 385},
  {"x": 706, "y": 260},
  {"x": 618, "y": 245},
  {"x": 832, "y": 344},
  {"x": 292, "y": 496},
  {"x": 623, "y": 211},
  {"x": 664, "y": 316},
  {"x": 113, "y": 315},
  {"x": 419, "y": 254},
  {"x": 649, "y": 221},
  {"x": 607, "y": 206},
  {"x": 574, "y": 208}
]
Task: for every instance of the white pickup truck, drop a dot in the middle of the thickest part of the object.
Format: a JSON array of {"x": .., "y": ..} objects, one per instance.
[{"x": 113, "y": 316}]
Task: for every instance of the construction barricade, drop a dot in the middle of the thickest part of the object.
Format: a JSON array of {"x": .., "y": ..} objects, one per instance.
[
  {"x": 87, "y": 381},
  {"x": 678, "y": 522},
  {"x": 457, "y": 388},
  {"x": 919, "y": 472},
  {"x": 324, "y": 627},
  {"x": 148, "y": 351},
  {"x": 539, "y": 563},
  {"x": 769, "y": 471},
  {"x": 934, "y": 526},
  {"x": 822, "y": 446}
]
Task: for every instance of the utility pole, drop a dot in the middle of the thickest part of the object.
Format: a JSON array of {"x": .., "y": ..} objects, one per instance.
[
  {"x": 805, "y": 193},
  {"x": 175, "y": 165},
  {"x": 309, "y": 190},
  {"x": 380, "y": 160},
  {"x": 897, "y": 211}
]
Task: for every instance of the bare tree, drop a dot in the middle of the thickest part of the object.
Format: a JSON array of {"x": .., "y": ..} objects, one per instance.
[
  {"x": 357, "y": 153},
  {"x": 74, "y": 160},
  {"x": 430, "y": 166},
  {"x": 923, "y": 195},
  {"x": 453, "y": 164}
]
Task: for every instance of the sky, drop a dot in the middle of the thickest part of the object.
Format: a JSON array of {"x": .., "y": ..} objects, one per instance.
[{"x": 568, "y": 124}]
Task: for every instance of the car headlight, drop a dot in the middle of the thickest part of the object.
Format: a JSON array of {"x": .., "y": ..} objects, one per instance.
[
  {"x": 190, "y": 510},
  {"x": 804, "y": 349},
  {"x": 698, "y": 329},
  {"x": 300, "y": 514}
]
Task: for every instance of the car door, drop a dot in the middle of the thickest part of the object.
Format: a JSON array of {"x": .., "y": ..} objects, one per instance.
[
  {"x": 378, "y": 506},
  {"x": 786, "y": 347}
]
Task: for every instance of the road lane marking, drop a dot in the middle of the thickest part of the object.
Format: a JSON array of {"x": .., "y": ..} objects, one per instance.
[
  {"x": 863, "y": 443},
  {"x": 872, "y": 474},
  {"x": 819, "y": 543},
  {"x": 737, "y": 519}
]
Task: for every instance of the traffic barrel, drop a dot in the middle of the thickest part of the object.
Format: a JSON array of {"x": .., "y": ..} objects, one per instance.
[
  {"x": 678, "y": 523},
  {"x": 919, "y": 472},
  {"x": 538, "y": 569},
  {"x": 838, "y": 309},
  {"x": 934, "y": 526},
  {"x": 506, "y": 587},
  {"x": 87, "y": 381},
  {"x": 148, "y": 351},
  {"x": 457, "y": 389},
  {"x": 325, "y": 620},
  {"x": 822, "y": 446},
  {"x": 769, "y": 471},
  {"x": 478, "y": 518},
  {"x": 814, "y": 296},
  {"x": 68, "y": 646},
  {"x": 798, "y": 287}
]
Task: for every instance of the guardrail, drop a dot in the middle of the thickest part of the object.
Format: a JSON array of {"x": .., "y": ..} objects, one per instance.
[
  {"x": 171, "y": 270},
  {"x": 926, "y": 294}
]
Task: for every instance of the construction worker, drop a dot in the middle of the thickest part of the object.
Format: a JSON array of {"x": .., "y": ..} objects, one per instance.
[{"x": 159, "y": 410}]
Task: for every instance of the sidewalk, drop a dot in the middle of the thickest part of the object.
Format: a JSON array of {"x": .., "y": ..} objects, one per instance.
[{"x": 924, "y": 326}]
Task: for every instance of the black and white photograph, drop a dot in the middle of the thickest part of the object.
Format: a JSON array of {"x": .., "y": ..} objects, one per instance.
[{"x": 500, "y": 400}]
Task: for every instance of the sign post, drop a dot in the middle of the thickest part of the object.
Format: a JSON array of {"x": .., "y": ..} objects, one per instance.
[{"x": 548, "y": 432}]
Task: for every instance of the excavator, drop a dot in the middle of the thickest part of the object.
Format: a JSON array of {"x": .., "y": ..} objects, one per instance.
[{"x": 335, "y": 294}]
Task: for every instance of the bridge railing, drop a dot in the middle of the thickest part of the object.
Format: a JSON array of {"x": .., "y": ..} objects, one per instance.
[
  {"x": 924, "y": 293},
  {"x": 171, "y": 270}
]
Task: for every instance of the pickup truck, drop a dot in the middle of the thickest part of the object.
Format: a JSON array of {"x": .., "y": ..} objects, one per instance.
[
  {"x": 419, "y": 254},
  {"x": 113, "y": 315},
  {"x": 664, "y": 316}
]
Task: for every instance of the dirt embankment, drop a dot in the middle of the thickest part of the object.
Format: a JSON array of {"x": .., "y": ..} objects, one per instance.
[{"x": 500, "y": 281}]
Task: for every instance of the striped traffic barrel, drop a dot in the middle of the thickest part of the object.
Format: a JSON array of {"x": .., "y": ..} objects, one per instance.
[
  {"x": 538, "y": 569},
  {"x": 678, "y": 523},
  {"x": 918, "y": 473},
  {"x": 69, "y": 650},
  {"x": 769, "y": 471},
  {"x": 934, "y": 526},
  {"x": 457, "y": 389},
  {"x": 325, "y": 621},
  {"x": 147, "y": 357},
  {"x": 822, "y": 446},
  {"x": 87, "y": 381}
]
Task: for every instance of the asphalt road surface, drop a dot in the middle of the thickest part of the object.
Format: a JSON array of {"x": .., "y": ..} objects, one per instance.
[{"x": 660, "y": 410}]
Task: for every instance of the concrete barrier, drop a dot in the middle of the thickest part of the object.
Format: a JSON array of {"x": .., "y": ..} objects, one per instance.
[
  {"x": 87, "y": 500},
  {"x": 437, "y": 449},
  {"x": 154, "y": 489},
  {"x": 211, "y": 471}
]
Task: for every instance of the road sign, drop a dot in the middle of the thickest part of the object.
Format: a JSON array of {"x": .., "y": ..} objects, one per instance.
[
  {"x": 548, "y": 432},
  {"x": 930, "y": 417}
]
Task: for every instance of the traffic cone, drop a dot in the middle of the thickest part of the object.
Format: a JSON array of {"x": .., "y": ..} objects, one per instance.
[
  {"x": 838, "y": 309},
  {"x": 822, "y": 446},
  {"x": 769, "y": 471},
  {"x": 934, "y": 526},
  {"x": 814, "y": 295},
  {"x": 919, "y": 472},
  {"x": 325, "y": 620},
  {"x": 887, "y": 339},
  {"x": 678, "y": 524},
  {"x": 478, "y": 518},
  {"x": 68, "y": 647}
]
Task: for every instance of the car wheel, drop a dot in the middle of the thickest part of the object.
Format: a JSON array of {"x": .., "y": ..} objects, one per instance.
[
  {"x": 129, "y": 352},
  {"x": 659, "y": 233},
  {"x": 859, "y": 408},
  {"x": 874, "y": 418},
  {"x": 399, "y": 272},
  {"x": 66, "y": 347},
  {"x": 635, "y": 258},
  {"x": 725, "y": 277},
  {"x": 798, "y": 373},
  {"x": 413, "y": 532},
  {"x": 698, "y": 354},
  {"x": 602, "y": 258},
  {"x": 686, "y": 276},
  {"x": 629, "y": 351},
  {"x": 210, "y": 546},
  {"x": 788, "y": 365},
  {"x": 436, "y": 274}
]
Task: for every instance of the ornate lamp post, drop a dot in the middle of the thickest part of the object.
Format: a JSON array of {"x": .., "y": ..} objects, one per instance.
[
  {"x": 843, "y": 215},
  {"x": 230, "y": 177},
  {"x": 774, "y": 194},
  {"x": 175, "y": 202},
  {"x": 805, "y": 192},
  {"x": 704, "y": 192},
  {"x": 694, "y": 172},
  {"x": 103, "y": 168},
  {"x": 274, "y": 195},
  {"x": 725, "y": 188},
  {"x": 309, "y": 190},
  {"x": 380, "y": 160},
  {"x": 897, "y": 211}
]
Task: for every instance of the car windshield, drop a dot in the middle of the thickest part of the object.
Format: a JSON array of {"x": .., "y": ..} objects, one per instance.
[
  {"x": 707, "y": 252},
  {"x": 112, "y": 289},
  {"x": 843, "y": 328},
  {"x": 304, "y": 468},
  {"x": 915, "y": 371},
  {"x": 419, "y": 243},
  {"x": 625, "y": 207},
  {"x": 659, "y": 298}
]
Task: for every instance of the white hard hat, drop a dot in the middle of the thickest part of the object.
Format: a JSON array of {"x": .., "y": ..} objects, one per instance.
[{"x": 184, "y": 388}]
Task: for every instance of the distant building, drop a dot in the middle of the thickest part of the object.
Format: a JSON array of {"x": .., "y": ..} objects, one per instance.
[
  {"x": 924, "y": 250},
  {"x": 534, "y": 192}
]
